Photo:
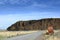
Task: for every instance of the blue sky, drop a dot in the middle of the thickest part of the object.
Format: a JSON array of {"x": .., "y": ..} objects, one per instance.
[{"x": 12, "y": 11}]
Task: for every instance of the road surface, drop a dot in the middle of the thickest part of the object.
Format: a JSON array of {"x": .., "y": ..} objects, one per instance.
[{"x": 31, "y": 36}]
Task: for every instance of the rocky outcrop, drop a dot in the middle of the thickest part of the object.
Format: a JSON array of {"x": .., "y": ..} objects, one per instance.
[{"x": 41, "y": 24}]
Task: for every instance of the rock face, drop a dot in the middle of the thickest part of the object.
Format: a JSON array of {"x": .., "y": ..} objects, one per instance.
[{"x": 41, "y": 24}]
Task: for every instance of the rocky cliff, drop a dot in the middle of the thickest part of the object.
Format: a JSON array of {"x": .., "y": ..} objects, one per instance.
[{"x": 41, "y": 24}]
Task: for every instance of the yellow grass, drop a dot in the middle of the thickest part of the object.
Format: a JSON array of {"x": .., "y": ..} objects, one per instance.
[
  {"x": 14, "y": 33},
  {"x": 54, "y": 36}
]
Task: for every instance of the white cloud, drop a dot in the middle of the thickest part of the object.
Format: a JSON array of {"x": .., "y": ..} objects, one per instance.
[
  {"x": 36, "y": 5},
  {"x": 39, "y": 5}
]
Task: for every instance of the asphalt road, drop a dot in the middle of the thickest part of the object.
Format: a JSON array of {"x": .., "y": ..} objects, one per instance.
[{"x": 32, "y": 36}]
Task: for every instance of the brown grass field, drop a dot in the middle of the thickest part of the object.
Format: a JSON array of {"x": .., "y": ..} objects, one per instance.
[{"x": 9, "y": 34}]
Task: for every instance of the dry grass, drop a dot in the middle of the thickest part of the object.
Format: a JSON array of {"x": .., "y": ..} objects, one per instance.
[
  {"x": 55, "y": 36},
  {"x": 14, "y": 33}
]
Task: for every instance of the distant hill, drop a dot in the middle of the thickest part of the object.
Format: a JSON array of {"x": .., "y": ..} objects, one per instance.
[{"x": 41, "y": 24}]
